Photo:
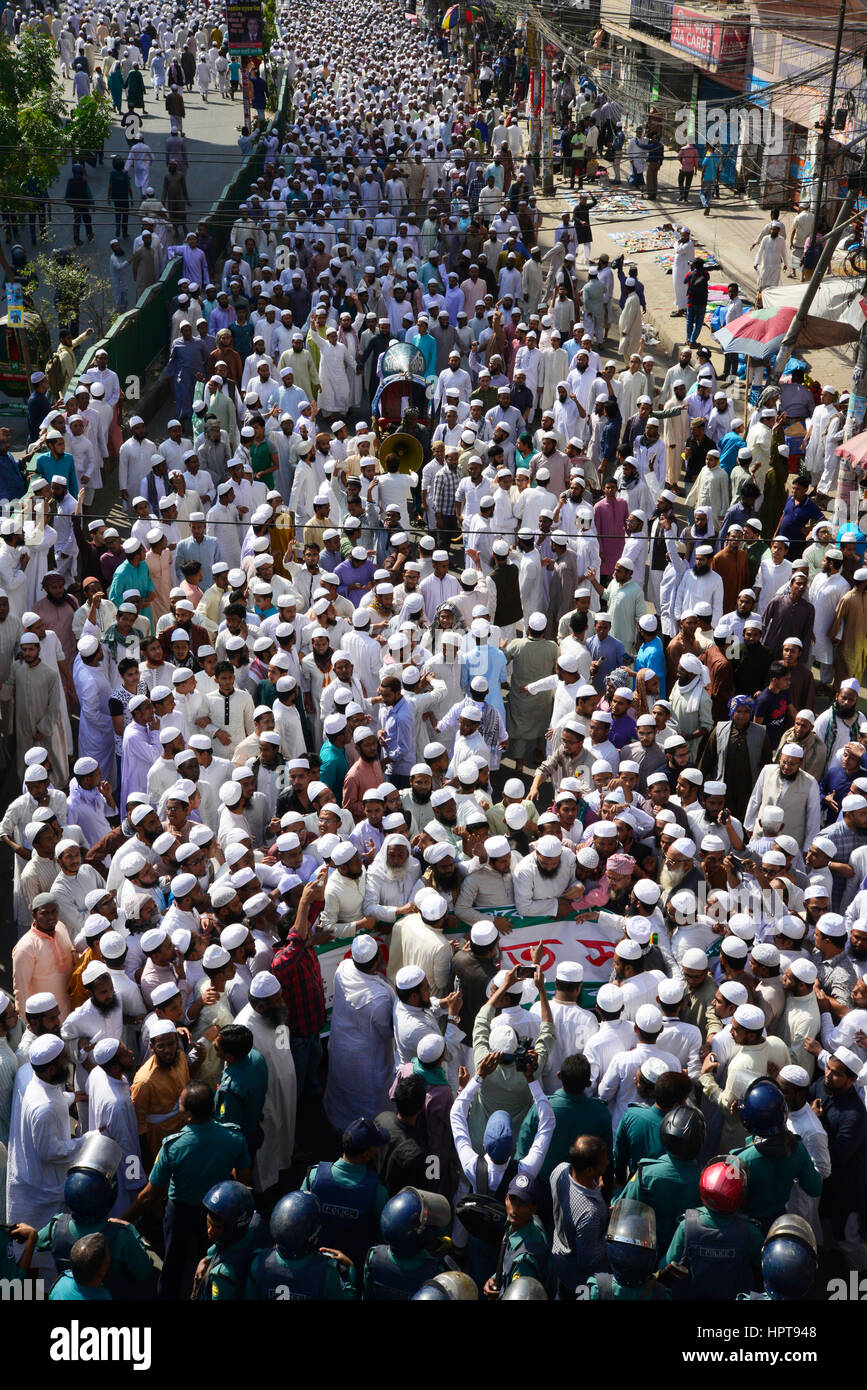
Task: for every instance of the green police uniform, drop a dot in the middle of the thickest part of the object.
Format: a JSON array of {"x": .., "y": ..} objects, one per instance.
[
  {"x": 240, "y": 1096},
  {"x": 527, "y": 1254},
  {"x": 347, "y": 1175},
  {"x": 717, "y": 1221},
  {"x": 192, "y": 1161},
  {"x": 670, "y": 1185},
  {"x": 573, "y": 1115},
  {"x": 129, "y": 1255},
  {"x": 67, "y": 1290},
  {"x": 227, "y": 1277},
  {"x": 338, "y": 1288},
  {"x": 771, "y": 1175},
  {"x": 651, "y": 1292},
  {"x": 637, "y": 1137}
]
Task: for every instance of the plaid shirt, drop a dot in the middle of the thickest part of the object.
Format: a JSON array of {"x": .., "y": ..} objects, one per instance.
[
  {"x": 443, "y": 489},
  {"x": 296, "y": 966}
]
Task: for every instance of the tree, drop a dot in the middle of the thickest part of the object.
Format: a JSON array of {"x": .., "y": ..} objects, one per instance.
[{"x": 37, "y": 134}]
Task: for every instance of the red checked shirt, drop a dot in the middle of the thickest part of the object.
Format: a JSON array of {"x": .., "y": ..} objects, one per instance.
[{"x": 296, "y": 966}]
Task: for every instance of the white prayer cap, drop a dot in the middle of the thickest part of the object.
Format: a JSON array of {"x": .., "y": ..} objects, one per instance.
[
  {"x": 343, "y": 852},
  {"x": 751, "y": 1017},
  {"x": 86, "y": 645},
  {"x": 46, "y": 1049},
  {"x": 92, "y": 972},
  {"x": 549, "y": 847},
  {"x": 153, "y": 939},
  {"x": 647, "y": 891},
  {"x": 796, "y": 1076},
  {"x": 161, "y": 1029},
  {"x": 483, "y": 934},
  {"x": 112, "y": 946},
  {"x": 648, "y": 1018},
  {"x": 850, "y": 1059},
  {"x": 765, "y": 953},
  {"x": 627, "y": 950},
  {"x": 694, "y": 959},
  {"x": 105, "y": 1050},
  {"x": 409, "y": 977}
]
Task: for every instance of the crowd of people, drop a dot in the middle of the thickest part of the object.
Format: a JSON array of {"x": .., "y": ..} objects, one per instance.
[{"x": 300, "y": 746}]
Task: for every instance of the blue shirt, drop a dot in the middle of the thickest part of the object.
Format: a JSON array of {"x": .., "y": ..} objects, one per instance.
[
  {"x": 348, "y": 572},
  {"x": 47, "y": 465},
  {"x": 398, "y": 724},
  {"x": 427, "y": 346},
  {"x": 860, "y": 545},
  {"x": 68, "y": 1290},
  {"x": 610, "y": 652},
  {"x": 206, "y": 551},
  {"x": 12, "y": 483},
  {"x": 650, "y": 656},
  {"x": 729, "y": 446},
  {"x": 796, "y": 521}
]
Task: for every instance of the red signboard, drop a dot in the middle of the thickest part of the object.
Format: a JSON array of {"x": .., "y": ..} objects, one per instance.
[{"x": 711, "y": 41}]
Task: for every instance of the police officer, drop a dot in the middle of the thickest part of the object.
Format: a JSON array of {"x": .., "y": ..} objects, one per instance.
[
  {"x": 187, "y": 1166},
  {"x": 525, "y": 1251},
  {"x": 350, "y": 1194},
  {"x": 89, "y": 1194},
  {"x": 719, "y": 1249},
  {"x": 670, "y": 1184},
  {"x": 774, "y": 1157},
  {"x": 789, "y": 1260},
  {"x": 236, "y": 1232},
  {"x": 298, "y": 1269},
  {"x": 630, "y": 1244},
  {"x": 637, "y": 1134},
  {"x": 412, "y": 1224},
  {"x": 240, "y": 1097}
]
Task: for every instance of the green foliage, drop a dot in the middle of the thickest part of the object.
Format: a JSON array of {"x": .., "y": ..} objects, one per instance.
[
  {"x": 37, "y": 134},
  {"x": 90, "y": 123},
  {"x": 75, "y": 290}
]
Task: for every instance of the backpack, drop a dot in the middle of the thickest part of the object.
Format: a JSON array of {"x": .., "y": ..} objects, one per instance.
[{"x": 483, "y": 1213}]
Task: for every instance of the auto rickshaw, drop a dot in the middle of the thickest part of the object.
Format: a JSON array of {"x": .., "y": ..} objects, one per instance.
[{"x": 22, "y": 351}]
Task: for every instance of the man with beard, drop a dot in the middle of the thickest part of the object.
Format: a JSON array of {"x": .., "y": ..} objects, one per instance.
[
  {"x": 342, "y": 912},
  {"x": 545, "y": 881},
  {"x": 619, "y": 869},
  {"x": 361, "y": 1048},
  {"x": 390, "y": 884},
  {"x": 40, "y": 1147},
  {"x": 101, "y": 1016},
  {"x": 840, "y": 723},
  {"x": 157, "y": 1085},
  {"x": 444, "y": 874},
  {"x": 489, "y": 887},
  {"x": 365, "y": 774},
  {"x": 265, "y": 1015},
  {"x": 698, "y": 584},
  {"x": 679, "y": 871},
  {"x": 141, "y": 747},
  {"x": 416, "y": 798},
  {"x": 645, "y": 751},
  {"x": 786, "y": 785}
]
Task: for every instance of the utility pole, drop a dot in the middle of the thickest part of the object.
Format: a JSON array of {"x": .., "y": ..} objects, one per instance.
[
  {"x": 794, "y": 329},
  {"x": 547, "y": 130},
  {"x": 829, "y": 117}
]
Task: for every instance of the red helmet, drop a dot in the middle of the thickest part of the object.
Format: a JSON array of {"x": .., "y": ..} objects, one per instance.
[{"x": 723, "y": 1184}]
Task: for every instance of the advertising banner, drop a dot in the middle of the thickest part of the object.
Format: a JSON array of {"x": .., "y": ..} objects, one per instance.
[{"x": 244, "y": 20}]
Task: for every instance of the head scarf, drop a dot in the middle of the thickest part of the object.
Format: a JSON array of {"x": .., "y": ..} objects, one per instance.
[{"x": 741, "y": 702}]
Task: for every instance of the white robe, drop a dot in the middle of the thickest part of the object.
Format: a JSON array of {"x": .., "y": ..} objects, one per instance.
[
  {"x": 278, "y": 1116},
  {"x": 335, "y": 381},
  {"x": 41, "y": 1149},
  {"x": 112, "y": 1112},
  {"x": 684, "y": 255},
  {"x": 95, "y": 729},
  {"x": 360, "y": 1047}
]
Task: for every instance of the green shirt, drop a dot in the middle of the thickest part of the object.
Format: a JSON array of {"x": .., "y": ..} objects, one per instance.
[
  {"x": 403, "y": 1262},
  {"x": 192, "y": 1161},
  {"x": 338, "y": 1287},
  {"x": 67, "y": 1290},
  {"x": 573, "y": 1115},
  {"x": 261, "y": 458},
  {"x": 670, "y": 1186},
  {"x": 348, "y": 1175},
  {"x": 224, "y": 1283},
  {"x": 128, "y": 1256},
  {"x": 530, "y": 1252},
  {"x": 637, "y": 1137},
  {"x": 717, "y": 1221},
  {"x": 770, "y": 1179},
  {"x": 240, "y": 1096},
  {"x": 621, "y": 1294}
]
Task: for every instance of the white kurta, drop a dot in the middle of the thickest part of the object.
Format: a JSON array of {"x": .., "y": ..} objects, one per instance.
[
  {"x": 361, "y": 1046},
  {"x": 112, "y": 1112},
  {"x": 95, "y": 729},
  {"x": 41, "y": 1149},
  {"x": 278, "y": 1116},
  {"x": 335, "y": 382},
  {"x": 684, "y": 255}
]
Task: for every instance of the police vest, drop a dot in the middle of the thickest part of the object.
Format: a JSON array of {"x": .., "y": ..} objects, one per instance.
[
  {"x": 349, "y": 1218},
  {"x": 234, "y": 1261},
  {"x": 120, "y": 1285},
  {"x": 718, "y": 1261},
  {"x": 607, "y": 1287},
  {"x": 274, "y": 1280},
  {"x": 388, "y": 1281}
]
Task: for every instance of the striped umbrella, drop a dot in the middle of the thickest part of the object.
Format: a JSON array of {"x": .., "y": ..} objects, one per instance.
[{"x": 453, "y": 15}]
